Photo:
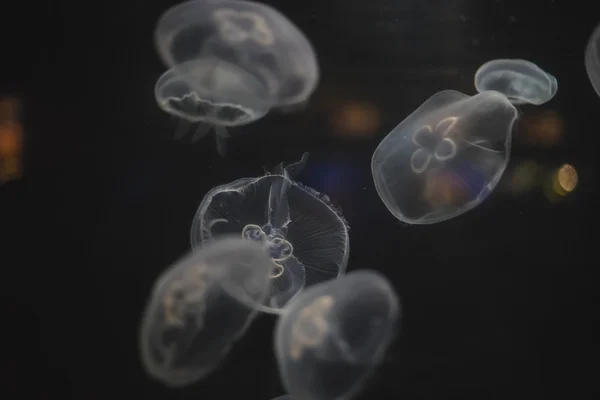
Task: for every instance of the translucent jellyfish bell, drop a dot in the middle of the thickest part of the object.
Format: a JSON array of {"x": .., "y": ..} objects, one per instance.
[
  {"x": 175, "y": 96},
  {"x": 199, "y": 306},
  {"x": 521, "y": 81},
  {"x": 592, "y": 59},
  {"x": 333, "y": 335},
  {"x": 238, "y": 52},
  {"x": 446, "y": 157},
  {"x": 306, "y": 237}
]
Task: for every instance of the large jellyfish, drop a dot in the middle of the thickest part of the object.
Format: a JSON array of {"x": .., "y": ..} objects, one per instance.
[
  {"x": 199, "y": 306},
  {"x": 446, "y": 157},
  {"x": 521, "y": 81},
  {"x": 240, "y": 56},
  {"x": 306, "y": 236},
  {"x": 333, "y": 335},
  {"x": 592, "y": 59}
]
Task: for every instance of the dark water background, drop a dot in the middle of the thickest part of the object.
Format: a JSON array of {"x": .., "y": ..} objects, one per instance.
[{"x": 498, "y": 303}]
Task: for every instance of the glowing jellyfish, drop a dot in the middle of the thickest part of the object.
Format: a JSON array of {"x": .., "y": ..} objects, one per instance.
[
  {"x": 305, "y": 235},
  {"x": 521, "y": 81},
  {"x": 237, "y": 57},
  {"x": 333, "y": 335},
  {"x": 199, "y": 306},
  {"x": 446, "y": 157},
  {"x": 592, "y": 59}
]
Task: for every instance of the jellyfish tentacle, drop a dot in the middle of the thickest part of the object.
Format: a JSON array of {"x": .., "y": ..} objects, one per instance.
[
  {"x": 222, "y": 131},
  {"x": 201, "y": 130},
  {"x": 221, "y": 140},
  {"x": 182, "y": 128},
  {"x": 482, "y": 144}
]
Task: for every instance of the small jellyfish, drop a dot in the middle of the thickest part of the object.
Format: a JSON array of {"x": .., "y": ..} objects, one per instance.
[
  {"x": 333, "y": 335},
  {"x": 446, "y": 157},
  {"x": 199, "y": 306},
  {"x": 521, "y": 81},
  {"x": 592, "y": 59},
  {"x": 239, "y": 59},
  {"x": 175, "y": 96},
  {"x": 304, "y": 234}
]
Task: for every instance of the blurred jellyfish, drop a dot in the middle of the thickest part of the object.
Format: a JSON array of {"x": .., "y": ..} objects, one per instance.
[
  {"x": 175, "y": 96},
  {"x": 333, "y": 335},
  {"x": 446, "y": 157},
  {"x": 306, "y": 236},
  {"x": 592, "y": 59},
  {"x": 236, "y": 57},
  {"x": 199, "y": 306},
  {"x": 521, "y": 81},
  {"x": 283, "y": 397}
]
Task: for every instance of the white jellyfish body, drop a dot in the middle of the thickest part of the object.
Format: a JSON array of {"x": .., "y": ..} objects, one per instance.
[
  {"x": 592, "y": 59},
  {"x": 521, "y": 81},
  {"x": 175, "y": 96},
  {"x": 199, "y": 306},
  {"x": 446, "y": 157},
  {"x": 305, "y": 236},
  {"x": 333, "y": 335},
  {"x": 240, "y": 55}
]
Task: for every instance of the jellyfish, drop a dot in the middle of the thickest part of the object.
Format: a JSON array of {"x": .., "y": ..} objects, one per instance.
[
  {"x": 199, "y": 306},
  {"x": 304, "y": 234},
  {"x": 333, "y": 335},
  {"x": 446, "y": 157},
  {"x": 592, "y": 59},
  {"x": 521, "y": 81},
  {"x": 236, "y": 57},
  {"x": 175, "y": 96}
]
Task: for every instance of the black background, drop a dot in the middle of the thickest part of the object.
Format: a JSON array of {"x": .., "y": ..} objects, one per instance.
[{"x": 498, "y": 303}]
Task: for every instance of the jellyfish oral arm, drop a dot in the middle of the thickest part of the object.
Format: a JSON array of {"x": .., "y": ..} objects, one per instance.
[
  {"x": 294, "y": 169},
  {"x": 278, "y": 215},
  {"x": 201, "y": 131}
]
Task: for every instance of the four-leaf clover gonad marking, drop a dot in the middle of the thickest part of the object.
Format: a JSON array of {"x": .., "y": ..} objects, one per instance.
[
  {"x": 433, "y": 143},
  {"x": 237, "y": 27},
  {"x": 311, "y": 326}
]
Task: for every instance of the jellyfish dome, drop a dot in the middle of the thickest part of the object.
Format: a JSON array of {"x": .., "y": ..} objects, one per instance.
[
  {"x": 521, "y": 81},
  {"x": 199, "y": 306},
  {"x": 446, "y": 157},
  {"x": 333, "y": 335},
  {"x": 304, "y": 234},
  {"x": 238, "y": 52},
  {"x": 592, "y": 59}
]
